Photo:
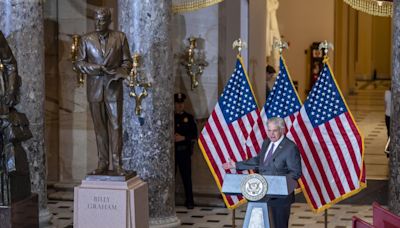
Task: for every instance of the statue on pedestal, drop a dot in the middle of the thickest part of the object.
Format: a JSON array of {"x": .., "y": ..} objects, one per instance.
[
  {"x": 14, "y": 128},
  {"x": 104, "y": 57}
]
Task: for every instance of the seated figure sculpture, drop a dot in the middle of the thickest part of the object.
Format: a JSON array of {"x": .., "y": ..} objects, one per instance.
[{"x": 14, "y": 129}]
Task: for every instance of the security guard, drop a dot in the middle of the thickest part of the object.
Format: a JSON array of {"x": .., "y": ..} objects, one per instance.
[
  {"x": 185, "y": 136},
  {"x": 269, "y": 73}
]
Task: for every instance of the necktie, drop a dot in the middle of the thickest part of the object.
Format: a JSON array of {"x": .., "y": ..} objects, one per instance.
[
  {"x": 269, "y": 154},
  {"x": 103, "y": 44}
]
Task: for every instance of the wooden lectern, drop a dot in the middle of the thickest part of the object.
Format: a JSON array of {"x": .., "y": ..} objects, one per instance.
[{"x": 257, "y": 211}]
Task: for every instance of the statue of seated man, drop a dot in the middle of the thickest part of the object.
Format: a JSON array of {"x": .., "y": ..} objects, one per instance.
[{"x": 15, "y": 182}]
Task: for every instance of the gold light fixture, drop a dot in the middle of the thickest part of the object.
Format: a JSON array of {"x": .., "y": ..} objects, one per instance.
[
  {"x": 181, "y": 6},
  {"x": 382, "y": 8},
  {"x": 74, "y": 54},
  {"x": 135, "y": 82},
  {"x": 194, "y": 62}
]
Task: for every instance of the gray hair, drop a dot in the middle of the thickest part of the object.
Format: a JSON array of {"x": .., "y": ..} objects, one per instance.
[
  {"x": 103, "y": 11},
  {"x": 279, "y": 122}
]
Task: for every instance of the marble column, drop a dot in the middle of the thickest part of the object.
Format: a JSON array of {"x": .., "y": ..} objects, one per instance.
[
  {"x": 394, "y": 172},
  {"x": 22, "y": 23},
  {"x": 148, "y": 139}
]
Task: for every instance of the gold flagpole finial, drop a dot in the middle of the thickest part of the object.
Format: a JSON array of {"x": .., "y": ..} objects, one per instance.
[
  {"x": 239, "y": 44},
  {"x": 280, "y": 44},
  {"x": 325, "y": 46}
]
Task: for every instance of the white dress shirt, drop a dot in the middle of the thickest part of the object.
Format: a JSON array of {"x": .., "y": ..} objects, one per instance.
[{"x": 276, "y": 144}]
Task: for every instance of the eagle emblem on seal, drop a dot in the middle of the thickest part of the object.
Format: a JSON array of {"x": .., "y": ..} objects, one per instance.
[{"x": 254, "y": 187}]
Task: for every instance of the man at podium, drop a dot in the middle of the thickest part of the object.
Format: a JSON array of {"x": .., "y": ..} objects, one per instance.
[{"x": 278, "y": 156}]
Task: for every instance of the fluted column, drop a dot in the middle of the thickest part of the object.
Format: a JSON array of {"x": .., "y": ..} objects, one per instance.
[
  {"x": 394, "y": 177},
  {"x": 22, "y": 24},
  {"x": 148, "y": 140}
]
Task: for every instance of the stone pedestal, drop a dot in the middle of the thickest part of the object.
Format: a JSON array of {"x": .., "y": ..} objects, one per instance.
[
  {"x": 24, "y": 213},
  {"x": 116, "y": 204}
]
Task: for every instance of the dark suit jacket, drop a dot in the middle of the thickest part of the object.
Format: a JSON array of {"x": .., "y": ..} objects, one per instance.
[
  {"x": 185, "y": 126},
  {"x": 116, "y": 57},
  {"x": 285, "y": 161}
]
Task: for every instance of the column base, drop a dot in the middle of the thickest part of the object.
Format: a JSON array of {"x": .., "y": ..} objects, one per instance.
[
  {"x": 165, "y": 222},
  {"x": 44, "y": 217}
]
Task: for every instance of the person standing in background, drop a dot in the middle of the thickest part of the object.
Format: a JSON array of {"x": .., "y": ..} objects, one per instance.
[
  {"x": 388, "y": 106},
  {"x": 269, "y": 73},
  {"x": 185, "y": 136}
]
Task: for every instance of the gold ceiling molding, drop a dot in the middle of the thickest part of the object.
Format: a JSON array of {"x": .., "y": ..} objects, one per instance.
[
  {"x": 373, "y": 7},
  {"x": 180, "y": 6}
]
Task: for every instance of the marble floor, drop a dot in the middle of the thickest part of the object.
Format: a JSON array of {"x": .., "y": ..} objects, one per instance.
[
  {"x": 339, "y": 216},
  {"x": 367, "y": 106}
]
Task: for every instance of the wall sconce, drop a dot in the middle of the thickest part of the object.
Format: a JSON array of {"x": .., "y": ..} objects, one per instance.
[
  {"x": 74, "y": 54},
  {"x": 194, "y": 62},
  {"x": 135, "y": 82}
]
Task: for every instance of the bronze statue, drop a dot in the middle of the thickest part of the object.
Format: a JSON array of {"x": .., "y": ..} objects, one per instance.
[
  {"x": 10, "y": 82},
  {"x": 14, "y": 128},
  {"x": 104, "y": 56}
]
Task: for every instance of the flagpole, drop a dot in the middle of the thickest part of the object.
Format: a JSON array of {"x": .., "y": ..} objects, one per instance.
[
  {"x": 239, "y": 44},
  {"x": 325, "y": 46},
  {"x": 233, "y": 218}
]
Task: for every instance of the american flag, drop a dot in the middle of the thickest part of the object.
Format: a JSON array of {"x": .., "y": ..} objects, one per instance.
[
  {"x": 283, "y": 102},
  {"x": 330, "y": 144},
  {"x": 224, "y": 135}
]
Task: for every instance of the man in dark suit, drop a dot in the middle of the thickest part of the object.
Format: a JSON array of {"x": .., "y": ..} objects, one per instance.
[
  {"x": 105, "y": 58},
  {"x": 185, "y": 135},
  {"x": 278, "y": 156}
]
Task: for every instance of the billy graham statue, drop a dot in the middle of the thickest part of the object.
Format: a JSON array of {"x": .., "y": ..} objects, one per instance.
[{"x": 104, "y": 56}]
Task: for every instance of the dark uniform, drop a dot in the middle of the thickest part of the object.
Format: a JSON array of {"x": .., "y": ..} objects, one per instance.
[
  {"x": 185, "y": 126},
  {"x": 270, "y": 71}
]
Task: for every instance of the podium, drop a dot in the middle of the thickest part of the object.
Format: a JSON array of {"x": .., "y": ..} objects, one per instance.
[
  {"x": 255, "y": 188},
  {"x": 104, "y": 204}
]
